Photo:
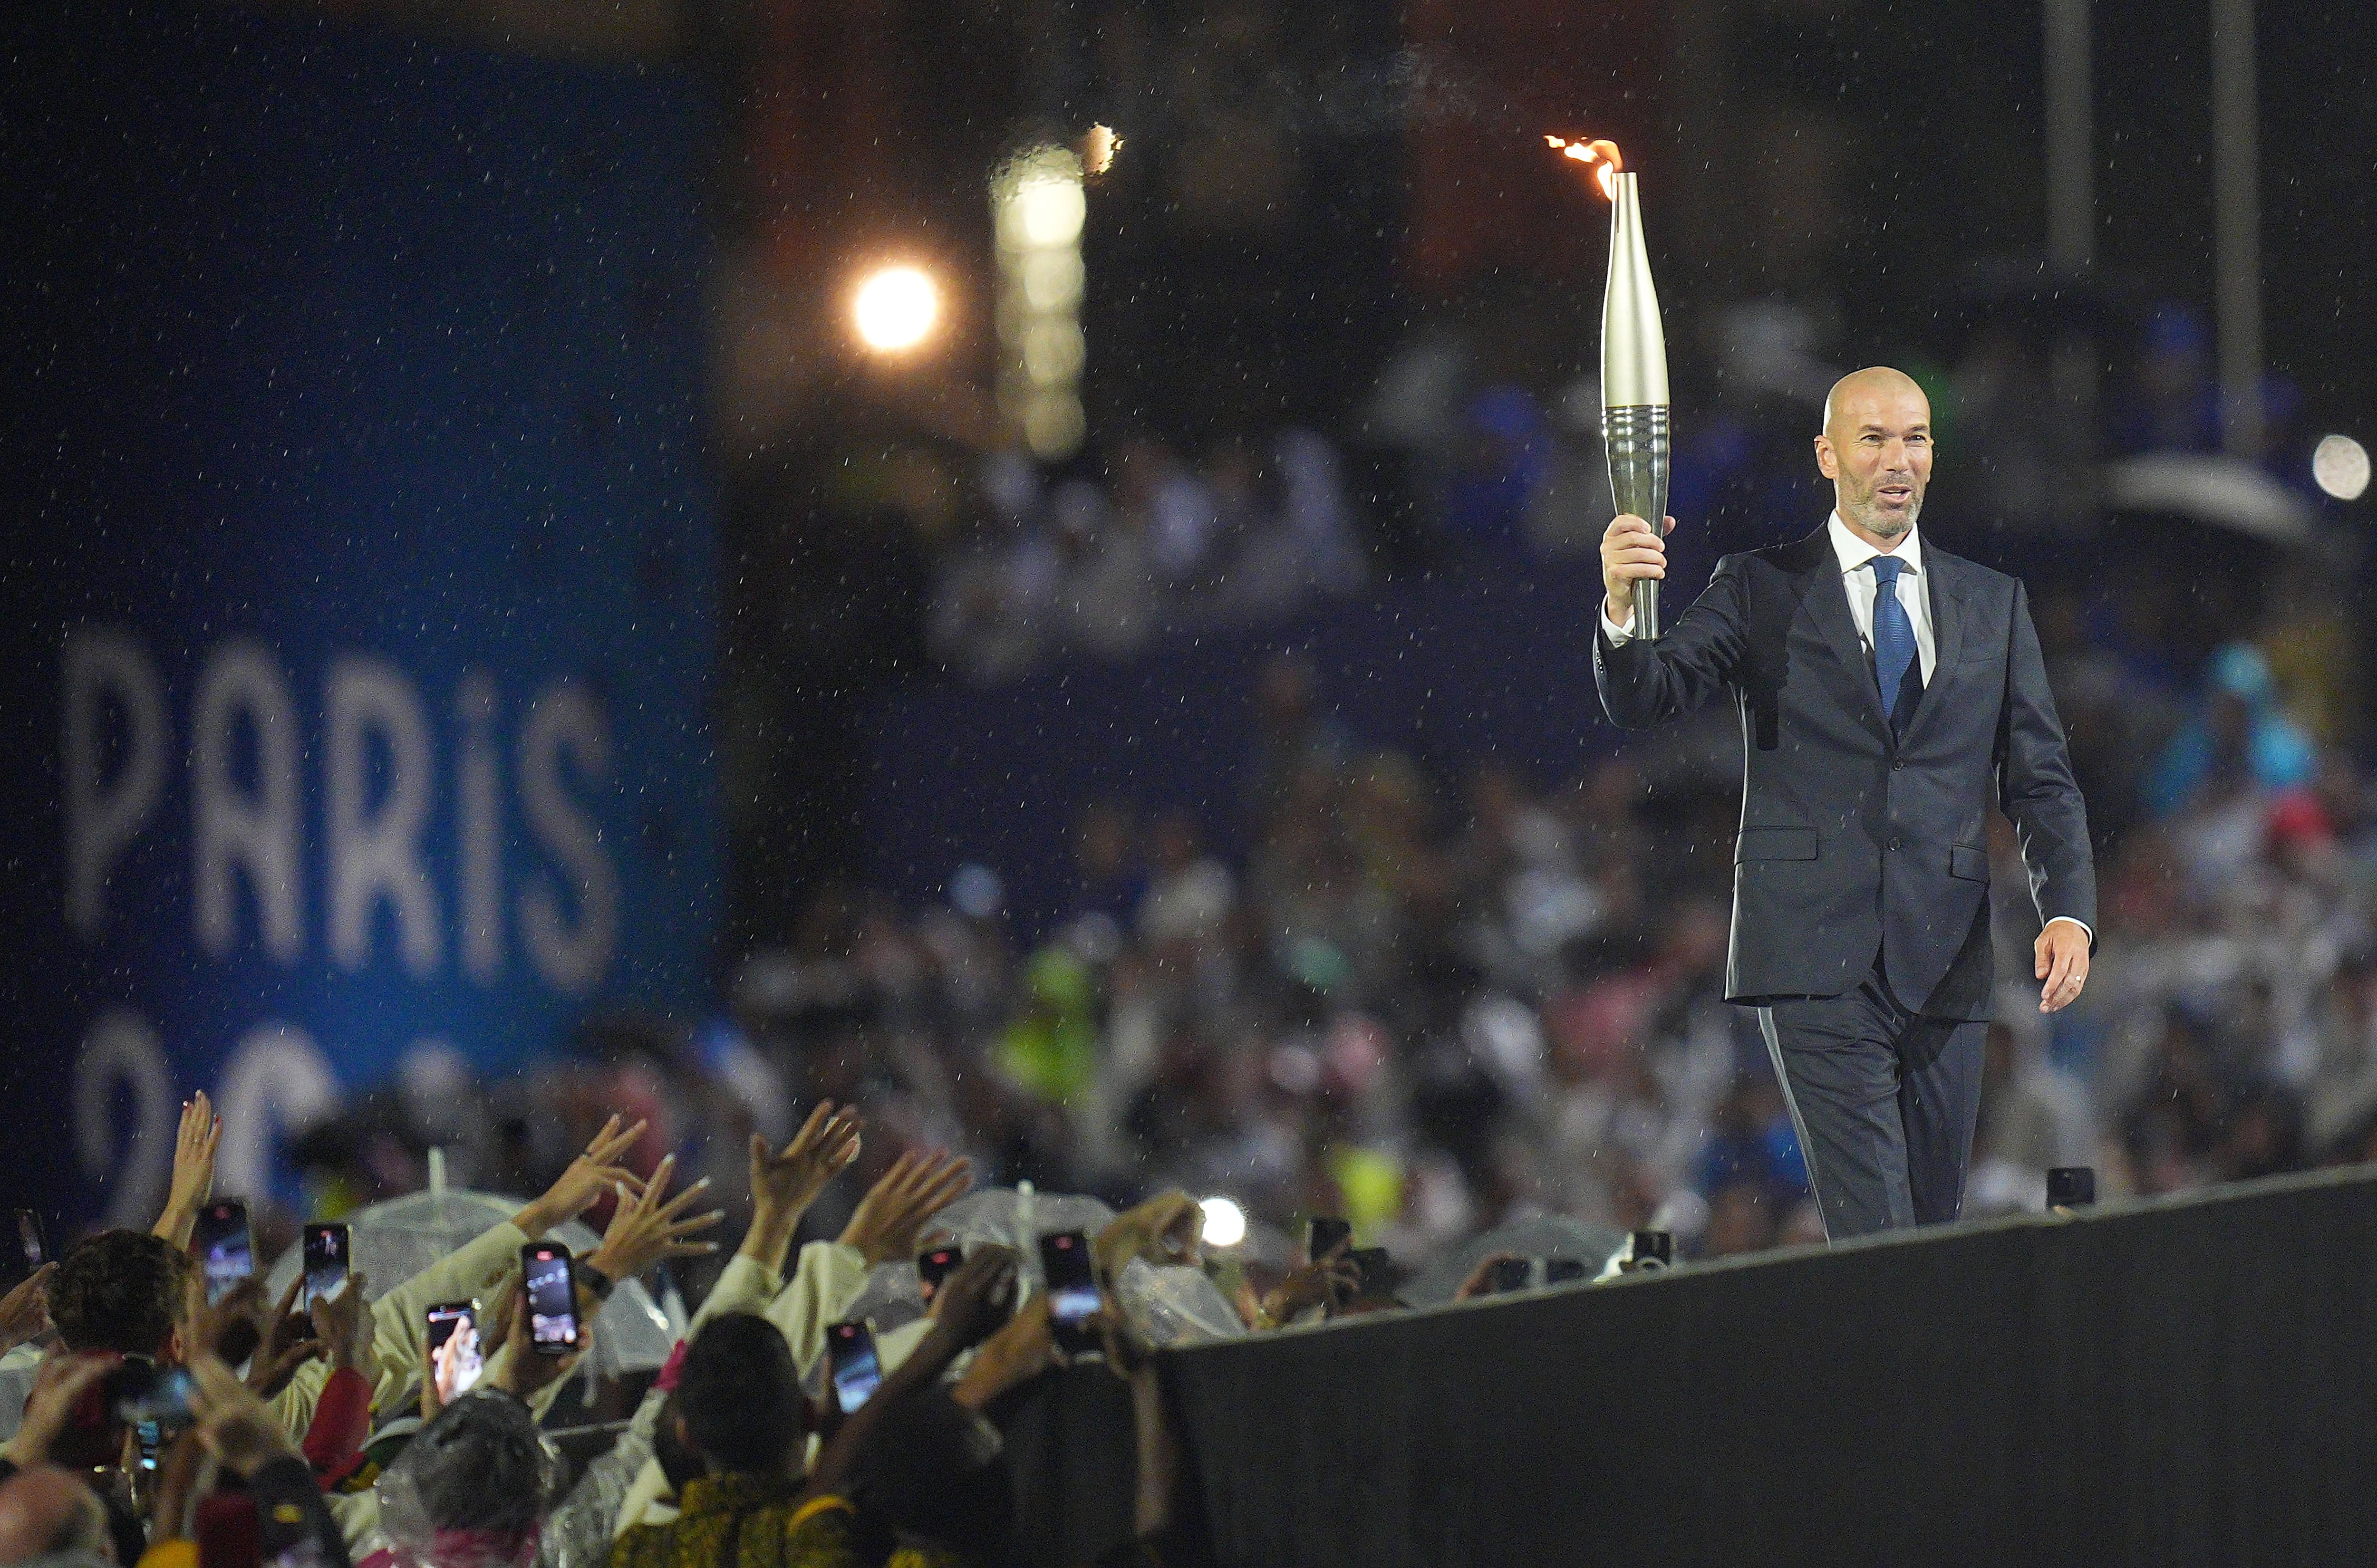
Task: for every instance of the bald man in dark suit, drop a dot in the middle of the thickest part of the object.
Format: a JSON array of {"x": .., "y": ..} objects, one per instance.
[{"x": 1890, "y": 692}]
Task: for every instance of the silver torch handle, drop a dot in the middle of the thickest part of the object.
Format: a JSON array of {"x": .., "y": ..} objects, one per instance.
[{"x": 1636, "y": 438}]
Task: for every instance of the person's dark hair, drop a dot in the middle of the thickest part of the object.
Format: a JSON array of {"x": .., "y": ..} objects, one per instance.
[
  {"x": 741, "y": 1393},
  {"x": 678, "y": 1463},
  {"x": 119, "y": 1290},
  {"x": 479, "y": 1467}
]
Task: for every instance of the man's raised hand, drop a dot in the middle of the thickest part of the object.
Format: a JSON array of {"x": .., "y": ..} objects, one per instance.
[{"x": 1630, "y": 553}]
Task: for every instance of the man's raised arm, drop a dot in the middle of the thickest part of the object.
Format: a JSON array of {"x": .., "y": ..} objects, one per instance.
[{"x": 1646, "y": 682}]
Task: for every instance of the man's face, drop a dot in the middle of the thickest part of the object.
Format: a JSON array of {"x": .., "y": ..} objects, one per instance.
[{"x": 1876, "y": 452}]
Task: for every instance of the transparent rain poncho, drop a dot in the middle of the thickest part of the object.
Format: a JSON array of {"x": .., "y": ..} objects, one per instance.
[
  {"x": 470, "y": 1491},
  {"x": 1541, "y": 1236},
  {"x": 1172, "y": 1305}
]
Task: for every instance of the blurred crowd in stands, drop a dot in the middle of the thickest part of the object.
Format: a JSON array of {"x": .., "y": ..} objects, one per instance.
[
  {"x": 1241, "y": 538},
  {"x": 1433, "y": 1005}
]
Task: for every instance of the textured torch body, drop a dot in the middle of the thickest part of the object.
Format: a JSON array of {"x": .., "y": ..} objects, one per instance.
[{"x": 1634, "y": 401}]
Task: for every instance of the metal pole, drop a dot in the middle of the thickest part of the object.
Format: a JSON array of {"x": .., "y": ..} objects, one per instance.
[
  {"x": 2071, "y": 140},
  {"x": 2237, "y": 224},
  {"x": 2071, "y": 250}
]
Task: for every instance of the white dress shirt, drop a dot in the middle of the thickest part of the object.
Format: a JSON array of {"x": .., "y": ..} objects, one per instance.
[
  {"x": 1857, "y": 579},
  {"x": 1913, "y": 590}
]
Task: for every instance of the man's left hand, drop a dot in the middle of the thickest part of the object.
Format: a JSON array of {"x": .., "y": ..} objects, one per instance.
[{"x": 2062, "y": 964}]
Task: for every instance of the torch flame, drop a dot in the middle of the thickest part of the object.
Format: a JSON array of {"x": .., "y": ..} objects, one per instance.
[{"x": 1601, "y": 154}]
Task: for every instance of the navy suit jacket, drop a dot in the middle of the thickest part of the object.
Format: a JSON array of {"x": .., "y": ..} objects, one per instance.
[{"x": 1855, "y": 843}]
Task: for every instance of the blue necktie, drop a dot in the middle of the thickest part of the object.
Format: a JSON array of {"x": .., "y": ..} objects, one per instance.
[{"x": 1893, "y": 638}]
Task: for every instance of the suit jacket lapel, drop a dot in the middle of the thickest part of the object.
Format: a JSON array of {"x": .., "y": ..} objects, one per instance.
[
  {"x": 1947, "y": 630},
  {"x": 1827, "y": 602}
]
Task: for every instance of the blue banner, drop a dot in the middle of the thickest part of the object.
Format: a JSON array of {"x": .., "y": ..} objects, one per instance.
[{"x": 359, "y": 574}]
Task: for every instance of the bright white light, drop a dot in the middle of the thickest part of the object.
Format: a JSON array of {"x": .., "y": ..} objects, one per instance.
[
  {"x": 896, "y": 309},
  {"x": 2340, "y": 467},
  {"x": 1226, "y": 1222},
  {"x": 1052, "y": 280},
  {"x": 1037, "y": 209},
  {"x": 1053, "y": 353},
  {"x": 1049, "y": 211}
]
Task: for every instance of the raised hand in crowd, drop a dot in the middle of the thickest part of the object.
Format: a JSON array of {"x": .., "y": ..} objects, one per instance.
[
  {"x": 784, "y": 1184},
  {"x": 894, "y": 1213},
  {"x": 1480, "y": 1282},
  {"x": 230, "y": 1329},
  {"x": 24, "y": 1310},
  {"x": 970, "y": 1304},
  {"x": 973, "y": 1301},
  {"x": 589, "y": 1176},
  {"x": 288, "y": 1343},
  {"x": 495, "y": 1332},
  {"x": 239, "y": 1431},
  {"x": 193, "y": 1170},
  {"x": 65, "y": 1378},
  {"x": 342, "y": 1325},
  {"x": 1021, "y": 1351},
  {"x": 1166, "y": 1228},
  {"x": 650, "y": 1226},
  {"x": 233, "y": 1422},
  {"x": 1325, "y": 1281},
  {"x": 517, "y": 1370}
]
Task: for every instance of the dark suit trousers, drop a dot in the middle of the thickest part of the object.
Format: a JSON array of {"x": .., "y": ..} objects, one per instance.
[{"x": 1884, "y": 1101}]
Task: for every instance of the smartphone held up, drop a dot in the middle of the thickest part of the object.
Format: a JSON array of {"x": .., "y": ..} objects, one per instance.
[
  {"x": 25, "y": 1250},
  {"x": 552, "y": 1299},
  {"x": 456, "y": 1356},
  {"x": 223, "y": 1246},
  {"x": 851, "y": 1362},
  {"x": 326, "y": 1262},
  {"x": 1073, "y": 1296}
]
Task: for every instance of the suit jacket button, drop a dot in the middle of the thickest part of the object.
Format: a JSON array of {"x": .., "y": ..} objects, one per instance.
[
  {"x": 1897, "y": 763},
  {"x": 1893, "y": 843}
]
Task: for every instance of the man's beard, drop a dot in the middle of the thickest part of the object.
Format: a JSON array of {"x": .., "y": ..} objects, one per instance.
[{"x": 1888, "y": 525}]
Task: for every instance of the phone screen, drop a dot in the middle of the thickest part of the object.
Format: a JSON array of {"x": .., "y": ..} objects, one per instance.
[
  {"x": 1072, "y": 1288},
  {"x": 856, "y": 1372},
  {"x": 1323, "y": 1235},
  {"x": 551, "y": 1306},
  {"x": 140, "y": 1391},
  {"x": 30, "y": 1251},
  {"x": 326, "y": 1261},
  {"x": 934, "y": 1267},
  {"x": 455, "y": 1357},
  {"x": 224, "y": 1250},
  {"x": 1562, "y": 1271}
]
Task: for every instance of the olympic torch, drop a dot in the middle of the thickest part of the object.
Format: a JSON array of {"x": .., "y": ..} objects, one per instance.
[{"x": 1633, "y": 364}]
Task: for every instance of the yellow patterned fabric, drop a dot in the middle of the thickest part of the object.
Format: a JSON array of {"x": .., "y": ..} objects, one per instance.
[{"x": 745, "y": 1522}]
